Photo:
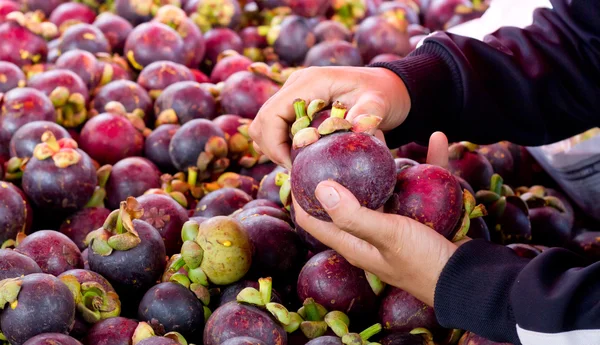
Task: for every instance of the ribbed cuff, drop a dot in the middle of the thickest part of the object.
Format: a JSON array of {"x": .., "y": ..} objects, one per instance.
[
  {"x": 473, "y": 291},
  {"x": 435, "y": 90}
]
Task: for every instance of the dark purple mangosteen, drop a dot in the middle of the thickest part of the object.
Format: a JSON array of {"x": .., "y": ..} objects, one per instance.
[
  {"x": 130, "y": 177},
  {"x": 14, "y": 264}
]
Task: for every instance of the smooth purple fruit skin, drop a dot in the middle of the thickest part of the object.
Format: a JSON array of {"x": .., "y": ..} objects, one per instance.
[
  {"x": 385, "y": 58},
  {"x": 54, "y": 252},
  {"x": 499, "y": 157},
  {"x": 295, "y": 39},
  {"x": 464, "y": 184},
  {"x": 189, "y": 101},
  {"x": 417, "y": 30},
  {"x": 80, "y": 224},
  {"x": 228, "y": 123},
  {"x": 83, "y": 276},
  {"x": 525, "y": 250},
  {"x": 331, "y": 30},
  {"x": 78, "y": 37},
  {"x": 243, "y": 341},
  {"x": 50, "y": 80},
  {"x": 402, "y": 339},
  {"x": 376, "y": 36},
  {"x": 156, "y": 146},
  {"x": 130, "y": 177},
  {"x": 252, "y": 38},
  {"x": 413, "y": 151},
  {"x": 227, "y": 66},
  {"x": 473, "y": 339},
  {"x": 474, "y": 168},
  {"x": 261, "y": 203},
  {"x": 259, "y": 171},
  {"x": 222, "y": 202},
  {"x": 109, "y": 138},
  {"x": 358, "y": 161},
  {"x": 273, "y": 211},
  {"x": 218, "y": 40},
  {"x": 514, "y": 223},
  {"x": 62, "y": 189},
  {"x": 153, "y": 42},
  {"x": 131, "y": 95},
  {"x": 589, "y": 244},
  {"x": 400, "y": 312},
  {"x": 441, "y": 11},
  {"x": 46, "y": 6},
  {"x": 190, "y": 140},
  {"x": 161, "y": 74},
  {"x": 52, "y": 339},
  {"x": 333, "y": 53},
  {"x": 167, "y": 216},
  {"x": 278, "y": 250},
  {"x": 550, "y": 227},
  {"x": 113, "y": 331},
  {"x": 52, "y": 302},
  {"x": 570, "y": 212},
  {"x": 116, "y": 30},
  {"x": 315, "y": 246},
  {"x": 13, "y": 212},
  {"x": 14, "y": 264},
  {"x": 10, "y": 76},
  {"x": 174, "y": 307},
  {"x": 244, "y": 93},
  {"x": 72, "y": 11},
  {"x": 479, "y": 229},
  {"x": 230, "y": 293},
  {"x": 134, "y": 271},
  {"x": 233, "y": 320},
  {"x": 158, "y": 341},
  {"x": 82, "y": 63},
  {"x": 337, "y": 285},
  {"x": 15, "y": 38},
  {"x": 326, "y": 340},
  {"x": 430, "y": 195},
  {"x": 24, "y": 105}
]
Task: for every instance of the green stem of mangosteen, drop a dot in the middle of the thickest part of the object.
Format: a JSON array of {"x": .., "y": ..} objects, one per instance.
[
  {"x": 300, "y": 108},
  {"x": 338, "y": 110},
  {"x": 376, "y": 284},
  {"x": 119, "y": 229},
  {"x": 338, "y": 322},
  {"x": 190, "y": 230},
  {"x": 311, "y": 310},
  {"x": 97, "y": 199},
  {"x": 265, "y": 287},
  {"x": 192, "y": 177},
  {"x": 371, "y": 331},
  {"x": 496, "y": 184},
  {"x": 177, "y": 264}
]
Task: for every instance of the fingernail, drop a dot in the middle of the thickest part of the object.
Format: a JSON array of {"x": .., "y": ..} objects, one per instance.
[{"x": 328, "y": 196}]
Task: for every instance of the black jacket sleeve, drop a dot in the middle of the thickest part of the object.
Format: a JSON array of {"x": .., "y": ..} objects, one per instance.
[
  {"x": 530, "y": 86},
  {"x": 551, "y": 299}
]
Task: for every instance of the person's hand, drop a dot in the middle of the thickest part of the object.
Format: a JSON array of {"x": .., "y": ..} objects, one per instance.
[
  {"x": 400, "y": 251},
  {"x": 364, "y": 90}
]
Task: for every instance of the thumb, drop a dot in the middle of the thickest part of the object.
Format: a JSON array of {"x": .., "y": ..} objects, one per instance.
[{"x": 346, "y": 212}]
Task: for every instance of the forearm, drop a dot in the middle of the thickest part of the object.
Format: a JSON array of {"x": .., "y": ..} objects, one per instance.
[{"x": 531, "y": 86}]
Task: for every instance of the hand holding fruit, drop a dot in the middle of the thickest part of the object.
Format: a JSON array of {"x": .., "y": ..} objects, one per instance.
[
  {"x": 399, "y": 250},
  {"x": 364, "y": 90}
]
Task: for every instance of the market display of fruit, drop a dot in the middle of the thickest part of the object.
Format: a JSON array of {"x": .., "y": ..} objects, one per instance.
[{"x": 135, "y": 210}]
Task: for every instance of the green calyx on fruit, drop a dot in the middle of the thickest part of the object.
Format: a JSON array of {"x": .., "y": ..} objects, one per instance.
[
  {"x": 14, "y": 168},
  {"x": 212, "y": 13},
  {"x": 142, "y": 331},
  {"x": 536, "y": 196},
  {"x": 262, "y": 298},
  {"x": 118, "y": 232},
  {"x": 36, "y": 23},
  {"x": 9, "y": 291},
  {"x": 136, "y": 117},
  {"x": 168, "y": 190},
  {"x": 93, "y": 302},
  {"x": 348, "y": 12},
  {"x": 425, "y": 333},
  {"x": 362, "y": 338},
  {"x": 471, "y": 210},
  {"x": 213, "y": 160},
  {"x": 282, "y": 180},
  {"x": 70, "y": 107},
  {"x": 63, "y": 152},
  {"x": 97, "y": 199}
]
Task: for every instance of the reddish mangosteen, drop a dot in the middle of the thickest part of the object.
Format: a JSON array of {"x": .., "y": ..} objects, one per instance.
[
  {"x": 199, "y": 76},
  {"x": 113, "y": 331},
  {"x": 193, "y": 40},
  {"x": 51, "y": 299},
  {"x": 269, "y": 4},
  {"x": 229, "y": 294},
  {"x": 85, "y": 37},
  {"x": 440, "y": 12},
  {"x": 208, "y": 14},
  {"x": 219, "y": 40},
  {"x": 157, "y": 146},
  {"x": 131, "y": 95},
  {"x": 413, "y": 151},
  {"x": 472, "y": 339},
  {"x": 59, "y": 176},
  {"x": 292, "y": 39},
  {"x": 80, "y": 224},
  {"x": 165, "y": 215},
  {"x": 15, "y": 212},
  {"x": 261, "y": 203},
  {"x": 400, "y": 312},
  {"x": 138, "y": 12},
  {"x": 173, "y": 307},
  {"x": 199, "y": 144},
  {"x": 402, "y": 163},
  {"x": 127, "y": 251},
  {"x": 268, "y": 189},
  {"x": 338, "y": 153},
  {"x": 382, "y": 35},
  {"x": 401, "y": 9},
  {"x": 111, "y": 137},
  {"x": 308, "y": 8},
  {"x": 244, "y": 93},
  {"x": 85, "y": 65},
  {"x": 331, "y": 30},
  {"x": 14, "y": 264},
  {"x": 230, "y": 124},
  {"x": 252, "y": 38},
  {"x": 222, "y": 202},
  {"x": 278, "y": 250},
  {"x": 130, "y": 177},
  {"x": 235, "y": 319},
  {"x": 71, "y": 13},
  {"x": 182, "y": 102},
  {"x": 153, "y": 42},
  {"x": 333, "y": 53},
  {"x": 67, "y": 91},
  {"x": 52, "y": 339},
  {"x": 470, "y": 165},
  {"x": 243, "y": 341},
  {"x": 337, "y": 285},
  {"x": 229, "y": 63},
  {"x": 23, "y": 142},
  {"x": 259, "y": 171},
  {"x": 116, "y": 30},
  {"x": 272, "y": 210},
  {"x": 11, "y": 77},
  {"x": 159, "y": 75},
  {"x": 23, "y": 33},
  {"x": 54, "y": 252},
  {"x": 24, "y": 105},
  {"x": 244, "y": 183},
  {"x": 6, "y": 7},
  {"x": 45, "y": 6}
]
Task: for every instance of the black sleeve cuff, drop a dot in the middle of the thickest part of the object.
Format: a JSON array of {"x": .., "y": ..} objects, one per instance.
[
  {"x": 435, "y": 91},
  {"x": 473, "y": 291}
]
